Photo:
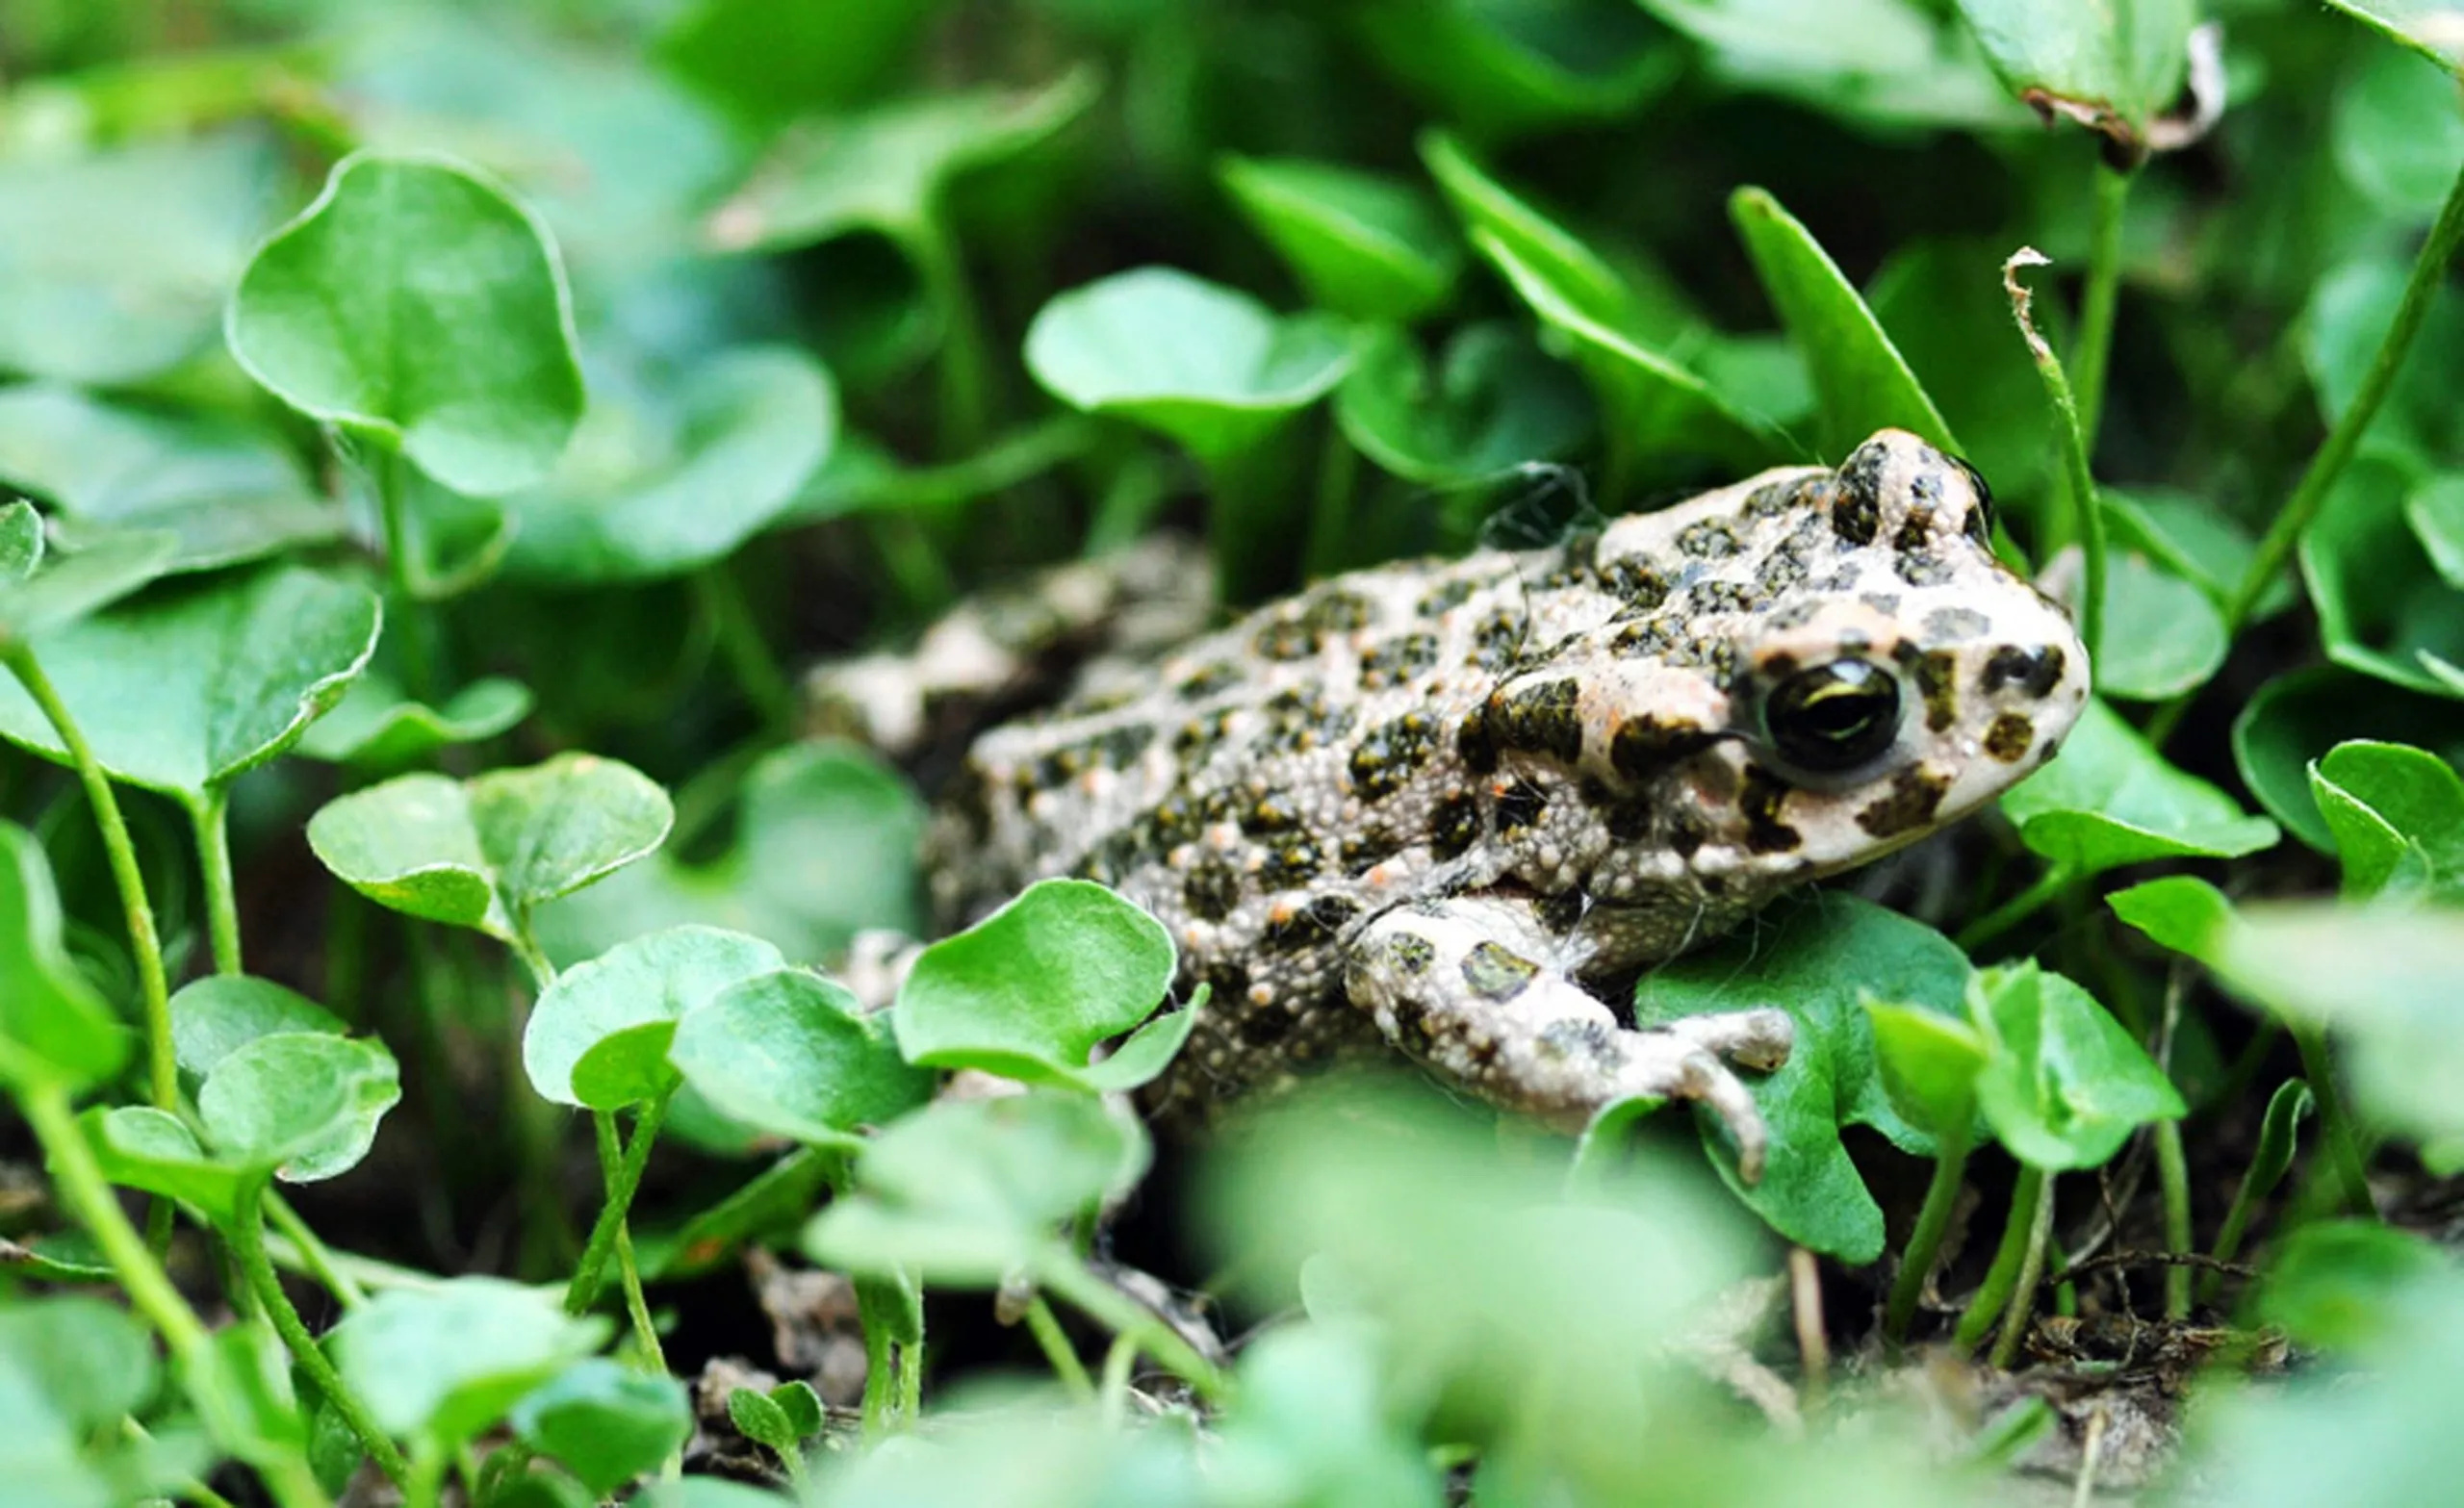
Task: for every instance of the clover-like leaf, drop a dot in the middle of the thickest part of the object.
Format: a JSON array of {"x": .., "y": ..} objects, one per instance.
[
  {"x": 680, "y": 478},
  {"x": 2432, "y": 28},
  {"x": 55, "y": 1028},
  {"x": 66, "y": 586},
  {"x": 305, "y": 1104},
  {"x": 1032, "y": 990},
  {"x": 1825, "y": 954},
  {"x": 825, "y": 847},
  {"x": 963, "y": 1191},
  {"x": 482, "y": 853},
  {"x": 115, "y": 262},
  {"x": 215, "y": 1017},
  {"x": 606, "y": 1422},
  {"x": 447, "y": 1360},
  {"x": 2383, "y": 608},
  {"x": 1502, "y": 71},
  {"x": 594, "y": 1008},
  {"x": 1365, "y": 245},
  {"x": 2397, "y": 816},
  {"x": 2297, "y": 717},
  {"x": 793, "y": 1053},
  {"x": 2063, "y": 1085},
  {"x": 2164, "y": 635},
  {"x": 376, "y": 725},
  {"x": 142, "y": 1147},
  {"x": 1490, "y": 403},
  {"x": 192, "y": 685},
  {"x": 1929, "y": 1064},
  {"x": 2112, "y": 69},
  {"x": 1231, "y": 372},
  {"x": 2396, "y": 135},
  {"x": 1862, "y": 382},
  {"x": 2109, "y": 798},
  {"x": 417, "y": 303}
]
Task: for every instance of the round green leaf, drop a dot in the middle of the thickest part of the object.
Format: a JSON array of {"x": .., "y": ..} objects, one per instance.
[
  {"x": 2346, "y": 318},
  {"x": 483, "y": 852},
  {"x": 68, "y": 585},
  {"x": 2111, "y": 68},
  {"x": 1861, "y": 379},
  {"x": 793, "y": 1053},
  {"x": 2109, "y": 798},
  {"x": 1893, "y": 62},
  {"x": 651, "y": 980},
  {"x": 2297, "y": 717},
  {"x": 2398, "y": 815},
  {"x": 1210, "y": 367},
  {"x": 1365, "y": 245},
  {"x": 54, "y": 1027},
  {"x": 2181, "y": 912},
  {"x": 446, "y": 1362},
  {"x": 417, "y": 301},
  {"x": 647, "y": 494},
  {"x": 1032, "y": 990},
  {"x": 2429, "y": 27},
  {"x": 2383, "y": 608},
  {"x": 2063, "y": 1085},
  {"x": 191, "y": 686},
  {"x": 303, "y": 1103},
  {"x": 375, "y": 723},
  {"x": 2163, "y": 635},
  {"x": 1929, "y": 1064},
  {"x": 115, "y": 262},
  {"x": 607, "y": 1423},
  {"x": 142, "y": 1147},
  {"x": 215, "y": 1016},
  {"x": 2397, "y": 133},
  {"x": 1491, "y": 403}
]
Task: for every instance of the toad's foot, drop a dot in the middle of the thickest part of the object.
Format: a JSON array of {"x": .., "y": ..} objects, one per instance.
[{"x": 1467, "y": 986}]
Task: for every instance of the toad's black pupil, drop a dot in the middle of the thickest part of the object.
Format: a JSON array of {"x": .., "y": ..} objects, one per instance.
[{"x": 1833, "y": 717}]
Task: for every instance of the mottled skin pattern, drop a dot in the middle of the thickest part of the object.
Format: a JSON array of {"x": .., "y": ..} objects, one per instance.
[{"x": 1453, "y": 807}]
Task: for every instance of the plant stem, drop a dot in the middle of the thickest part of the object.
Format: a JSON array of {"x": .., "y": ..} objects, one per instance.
[
  {"x": 1113, "y": 1401},
  {"x": 2091, "y": 356},
  {"x": 967, "y": 366},
  {"x": 162, "y": 1068},
  {"x": 419, "y": 665},
  {"x": 1125, "y": 1316},
  {"x": 2015, "y": 910},
  {"x": 212, "y": 819},
  {"x": 747, "y": 654},
  {"x": 2088, "y": 515},
  {"x": 2174, "y": 1178},
  {"x": 426, "y": 1487},
  {"x": 1924, "y": 1242},
  {"x": 638, "y": 1308},
  {"x": 315, "y": 1257},
  {"x": 1999, "y": 1279},
  {"x": 248, "y": 1233},
  {"x": 1057, "y": 1349},
  {"x": 2023, "y": 1293},
  {"x": 623, "y": 1175},
  {"x": 2335, "y": 1122}
]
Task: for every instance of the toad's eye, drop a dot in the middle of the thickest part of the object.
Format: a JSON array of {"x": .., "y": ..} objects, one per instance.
[{"x": 1833, "y": 717}]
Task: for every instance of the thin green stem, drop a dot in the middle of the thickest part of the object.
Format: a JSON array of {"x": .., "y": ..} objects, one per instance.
[
  {"x": 637, "y": 1306},
  {"x": 2335, "y": 1122},
  {"x": 2174, "y": 1178},
  {"x": 1124, "y": 1316},
  {"x": 2000, "y": 1278},
  {"x": 624, "y": 1175},
  {"x": 966, "y": 365},
  {"x": 247, "y": 1236},
  {"x": 2091, "y": 356},
  {"x": 403, "y": 614},
  {"x": 1045, "y": 1326},
  {"x": 2023, "y": 1293},
  {"x": 1925, "y": 1242},
  {"x": 212, "y": 819},
  {"x": 747, "y": 652},
  {"x": 1985, "y": 929},
  {"x": 426, "y": 1487},
  {"x": 2279, "y": 1137},
  {"x": 315, "y": 1257},
  {"x": 2088, "y": 515},
  {"x": 1114, "y": 1395},
  {"x": 162, "y": 1068}
]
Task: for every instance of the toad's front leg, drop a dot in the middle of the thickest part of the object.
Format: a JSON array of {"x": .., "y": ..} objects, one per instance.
[{"x": 1473, "y": 987}]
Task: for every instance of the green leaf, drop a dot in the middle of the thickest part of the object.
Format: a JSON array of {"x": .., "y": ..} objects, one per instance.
[
  {"x": 142, "y": 1147},
  {"x": 1314, "y": 1412},
  {"x": 768, "y": 61},
  {"x": 1929, "y": 1062},
  {"x": 1892, "y": 62},
  {"x": 2432, "y": 28},
  {"x": 55, "y": 1028},
  {"x": 2397, "y": 816},
  {"x": 1816, "y": 957},
  {"x": 2063, "y": 1085},
  {"x": 2338, "y": 1284},
  {"x": 227, "y": 493},
  {"x": 215, "y": 1017},
  {"x": 417, "y": 302},
  {"x": 963, "y": 1191},
  {"x": 376, "y": 725},
  {"x": 825, "y": 846},
  {"x": 651, "y": 981},
  {"x": 1861, "y": 378},
  {"x": 305, "y": 1104},
  {"x": 2397, "y": 133},
  {"x": 2109, "y": 798},
  {"x": 793, "y": 1053},
  {"x": 186, "y": 689},
  {"x": 70, "y": 586},
  {"x": 802, "y": 1406},
  {"x": 482, "y": 853},
  {"x": 2347, "y": 317},
  {"x": 2112, "y": 69},
  {"x": 1363, "y": 245},
  {"x": 91, "y": 1364},
  {"x": 2383, "y": 610},
  {"x": 1231, "y": 372},
  {"x": 607, "y": 1423},
  {"x": 1942, "y": 305},
  {"x": 761, "y": 1420},
  {"x": 683, "y": 477},
  {"x": 1491, "y": 403},
  {"x": 2183, "y": 913},
  {"x": 1508, "y": 69},
  {"x": 1032, "y": 990},
  {"x": 115, "y": 262},
  {"x": 20, "y": 542},
  {"x": 446, "y": 1362},
  {"x": 2435, "y": 511},
  {"x": 2163, "y": 634},
  {"x": 2297, "y": 717},
  {"x": 889, "y": 169}
]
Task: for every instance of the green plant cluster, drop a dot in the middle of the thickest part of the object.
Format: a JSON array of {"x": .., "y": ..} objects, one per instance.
[{"x": 430, "y": 434}]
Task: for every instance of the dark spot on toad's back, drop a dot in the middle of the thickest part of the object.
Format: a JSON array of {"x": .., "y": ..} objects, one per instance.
[
  {"x": 1761, "y": 800},
  {"x": 1539, "y": 718},
  {"x": 1361, "y": 852},
  {"x": 1494, "y": 973},
  {"x": 1519, "y": 807},
  {"x": 1337, "y": 612},
  {"x": 1290, "y": 863},
  {"x": 1397, "y": 660},
  {"x": 1411, "y": 951},
  {"x": 1208, "y": 679},
  {"x": 1496, "y": 640},
  {"x": 1646, "y": 744},
  {"x": 1285, "y": 636},
  {"x": 2008, "y": 739},
  {"x": 1454, "y": 827},
  {"x": 2036, "y": 672},
  {"x": 1915, "y": 531},
  {"x": 1949, "y": 626},
  {"x": 1915, "y": 794},
  {"x": 1635, "y": 584},
  {"x": 1707, "y": 539},
  {"x": 1562, "y": 912},
  {"x": 1389, "y": 754},
  {"x": 1212, "y": 889},
  {"x": 1473, "y": 743},
  {"x": 1857, "y": 505},
  {"x": 1312, "y": 925}
]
